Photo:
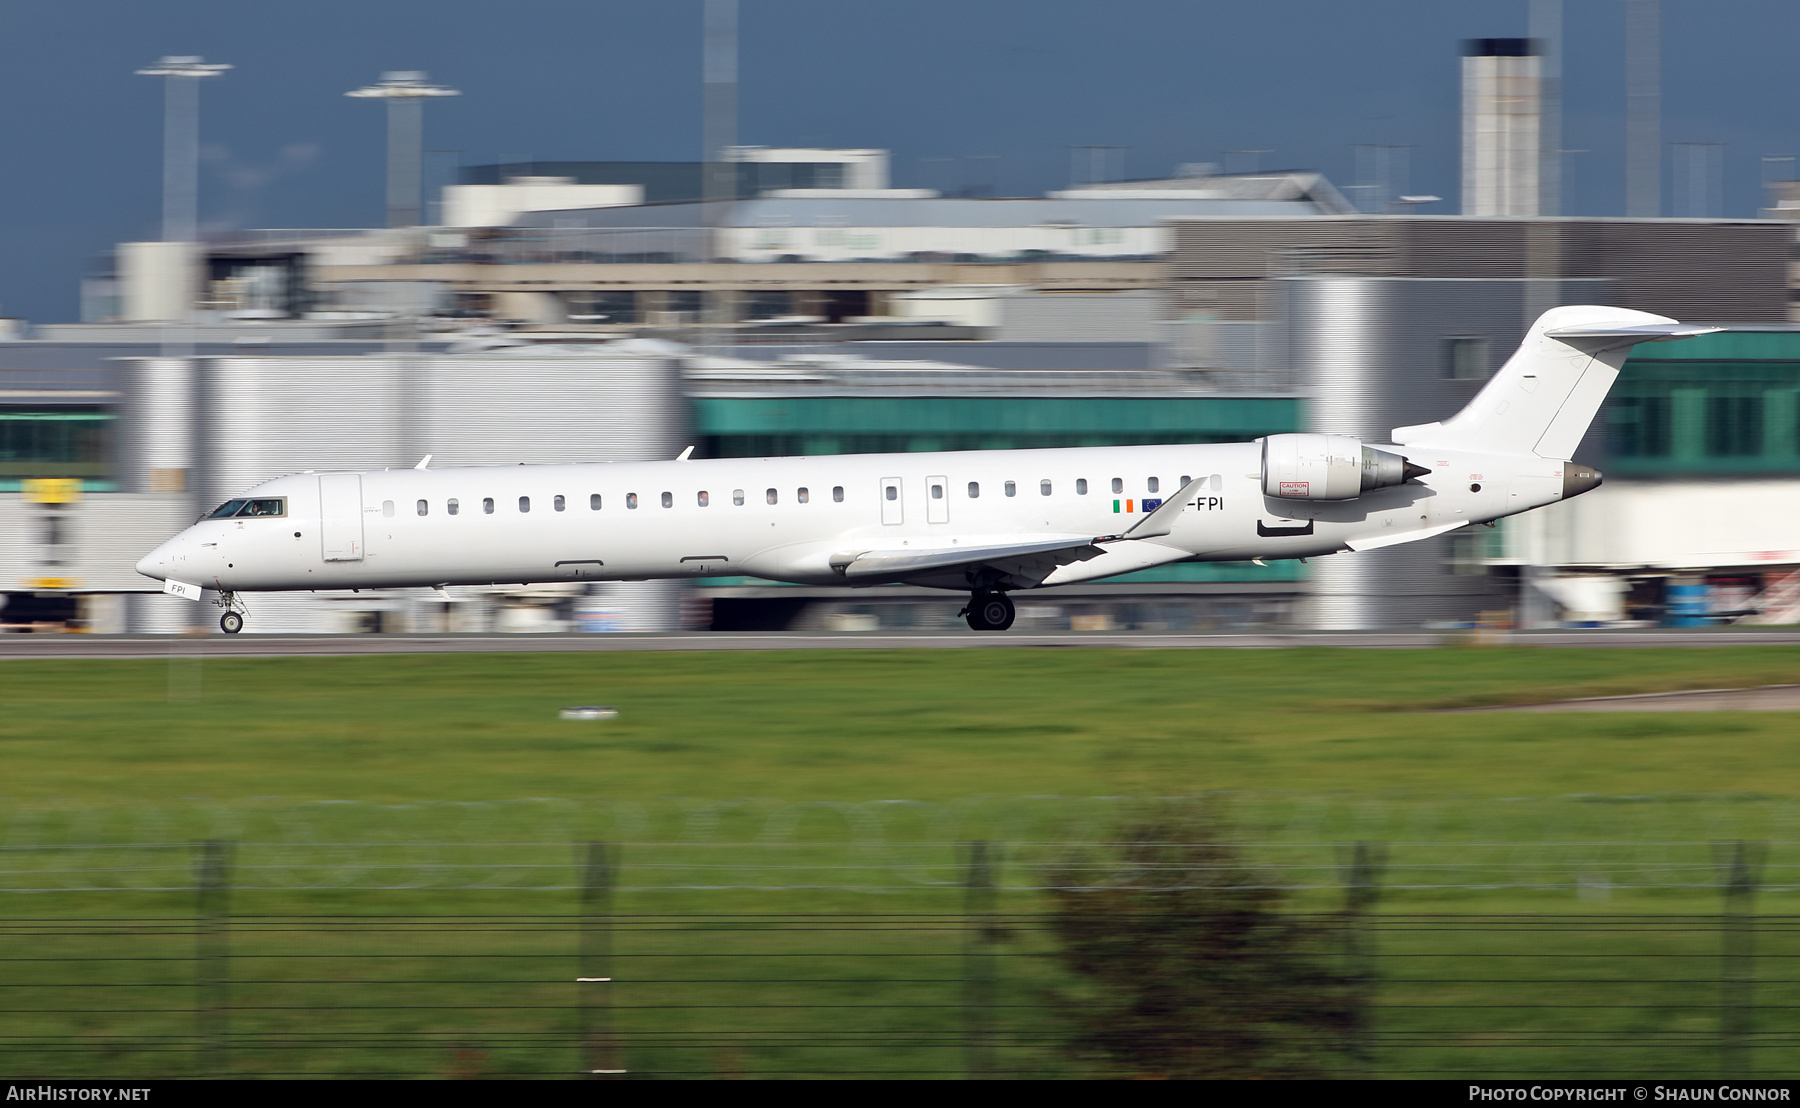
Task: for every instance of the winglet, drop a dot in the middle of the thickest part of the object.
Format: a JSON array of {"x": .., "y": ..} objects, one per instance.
[
  {"x": 424, "y": 462},
  {"x": 1162, "y": 520},
  {"x": 683, "y": 456}
]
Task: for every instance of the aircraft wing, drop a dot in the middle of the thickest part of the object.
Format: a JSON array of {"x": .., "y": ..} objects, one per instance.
[
  {"x": 1025, "y": 563},
  {"x": 891, "y": 565}
]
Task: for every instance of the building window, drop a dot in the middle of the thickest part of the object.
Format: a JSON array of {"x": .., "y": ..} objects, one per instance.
[
  {"x": 668, "y": 500},
  {"x": 1641, "y": 426},
  {"x": 1081, "y": 486},
  {"x": 559, "y": 503},
  {"x": 1466, "y": 359},
  {"x": 1012, "y": 489},
  {"x": 837, "y": 494},
  {"x": 1043, "y": 488},
  {"x": 487, "y": 505},
  {"x": 701, "y": 498},
  {"x": 1734, "y": 426},
  {"x": 1118, "y": 485},
  {"x": 1155, "y": 485},
  {"x": 424, "y": 507},
  {"x": 631, "y": 501},
  {"x": 803, "y": 495},
  {"x": 737, "y": 497},
  {"x": 524, "y": 504},
  {"x": 452, "y": 506},
  {"x": 593, "y": 502},
  {"x": 387, "y": 508},
  {"x": 974, "y": 489}
]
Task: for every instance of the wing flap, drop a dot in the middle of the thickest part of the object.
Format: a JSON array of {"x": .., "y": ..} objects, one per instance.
[{"x": 894, "y": 564}]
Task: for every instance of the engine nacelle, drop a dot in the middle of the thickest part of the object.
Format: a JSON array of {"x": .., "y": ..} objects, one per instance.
[{"x": 1329, "y": 467}]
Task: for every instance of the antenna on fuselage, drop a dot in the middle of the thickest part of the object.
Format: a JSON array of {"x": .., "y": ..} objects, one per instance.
[
  {"x": 683, "y": 456},
  {"x": 424, "y": 462}
]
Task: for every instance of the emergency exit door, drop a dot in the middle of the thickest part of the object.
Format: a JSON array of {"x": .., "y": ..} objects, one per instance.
[
  {"x": 341, "y": 516},
  {"x": 937, "y": 500},
  {"x": 892, "y": 506}
]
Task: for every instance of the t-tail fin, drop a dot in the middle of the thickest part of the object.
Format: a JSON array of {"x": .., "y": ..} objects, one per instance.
[{"x": 1546, "y": 394}]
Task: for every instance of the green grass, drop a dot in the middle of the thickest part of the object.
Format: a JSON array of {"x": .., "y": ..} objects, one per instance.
[
  {"x": 860, "y": 725},
  {"x": 795, "y": 753}
]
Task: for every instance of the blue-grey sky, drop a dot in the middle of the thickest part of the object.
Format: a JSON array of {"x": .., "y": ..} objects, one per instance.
[{"x": 962, "y": 91}]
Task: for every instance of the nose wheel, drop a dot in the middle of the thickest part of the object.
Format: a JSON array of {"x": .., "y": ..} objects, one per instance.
[
  {"x": 989, "y": 611},
  {"x": 233, "y": 620}
]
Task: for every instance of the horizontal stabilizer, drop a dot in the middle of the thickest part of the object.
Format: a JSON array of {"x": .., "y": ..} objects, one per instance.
[
  {"x": 894, "y": 564},
  {"x": 1654, "y": 332}
]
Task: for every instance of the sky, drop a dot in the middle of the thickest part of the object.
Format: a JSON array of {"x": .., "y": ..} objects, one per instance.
[{"x": 985, "y": 93}]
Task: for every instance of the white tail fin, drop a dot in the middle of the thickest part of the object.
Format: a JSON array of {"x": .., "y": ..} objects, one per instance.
[{"x": 1546, "y": 394}]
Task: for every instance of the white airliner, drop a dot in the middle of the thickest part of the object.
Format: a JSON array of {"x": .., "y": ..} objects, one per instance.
[{"x": 987, "y": 522}]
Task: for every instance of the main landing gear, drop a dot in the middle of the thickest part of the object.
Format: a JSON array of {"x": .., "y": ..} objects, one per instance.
[
  {"x": 989, "y": 611},
  {"x": 233, "y": 620}
]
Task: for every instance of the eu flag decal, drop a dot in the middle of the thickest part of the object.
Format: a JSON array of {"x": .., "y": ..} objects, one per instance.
[{"x": 1150, "y": 505}]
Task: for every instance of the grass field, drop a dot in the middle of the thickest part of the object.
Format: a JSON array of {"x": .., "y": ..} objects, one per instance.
[
  {"x": 775, "y": 914},
  {"x": 856, "y": 725}
]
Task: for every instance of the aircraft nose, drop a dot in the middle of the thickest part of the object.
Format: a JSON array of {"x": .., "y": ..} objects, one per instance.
[{"x": 151, "y": 564}]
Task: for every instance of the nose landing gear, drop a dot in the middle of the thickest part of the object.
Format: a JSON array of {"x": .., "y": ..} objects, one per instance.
[
  {"x": 233, "y": 620},
  {"x": 989, "y": 611}
]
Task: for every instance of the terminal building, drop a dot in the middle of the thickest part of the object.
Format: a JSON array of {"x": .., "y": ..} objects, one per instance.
[{"x": 609, "y": 311}]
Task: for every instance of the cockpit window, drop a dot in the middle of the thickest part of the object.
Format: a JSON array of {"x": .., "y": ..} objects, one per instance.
[{"x": 275, "y": 506}]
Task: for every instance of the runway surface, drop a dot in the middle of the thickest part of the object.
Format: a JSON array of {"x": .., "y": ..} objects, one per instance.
[
  {"x": 1762, "y": 698},
  {"x": 286, "y": 646}
]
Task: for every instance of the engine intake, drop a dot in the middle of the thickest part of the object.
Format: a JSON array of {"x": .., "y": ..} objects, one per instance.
[{"x": 1329, "y": 467}]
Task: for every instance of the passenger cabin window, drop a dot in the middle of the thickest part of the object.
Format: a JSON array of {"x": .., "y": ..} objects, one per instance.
[
  {"x": 487, "y": 505},
  {"x": 974, "y": 490},
  {"x": 1043, "y": 488},
  {"x": 737, "y": 497},
  {"x": 1184, "y": 480},
  {"x": 769, "y": 496},
  {"x": 452, "y": 506},
  {"x": 893, "y": 492},
  {"x": 524, "y": 504},
  {"x": 701, "y": 498},
  {"x": 593, "y": 502},
  {"x": 802, "y": 495},
  {"x": 668, "y": 500},
  {"x": 1154, "y": 484},
  {"x": 1012, "y": 489},
  {"x": 1218, "y": 482},
  {"x": 937, "y": 492},
  {"x": 837, "y": 494},
  {"x": 1118, "y": 484},
  {"x": 631, "y": 500},
  {"x": 559, "y": 503},
  {"x": 387, "y": 508},
  {"x": 424, "y": 507},
  {"x": 1081, "y": 486}
]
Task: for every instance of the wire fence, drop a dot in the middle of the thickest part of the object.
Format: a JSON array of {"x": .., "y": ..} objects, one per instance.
[
  {"x": 978, "y": 987},
  {"x": 1591, "y": 847},
  {"x": 1571, "y": 936}
]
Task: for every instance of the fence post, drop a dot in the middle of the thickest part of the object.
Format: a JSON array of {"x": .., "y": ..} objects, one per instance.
[
  {"x": 593, "y": 981},
  {"x": 1367, "y": 860},
  {"x": 979, "y": 934},
  {"x": 212, "y": 970},
  {"x": 1737, "y": 967}
]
